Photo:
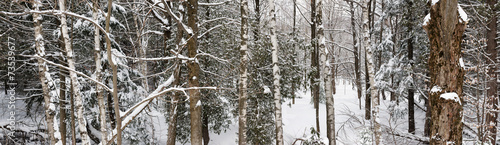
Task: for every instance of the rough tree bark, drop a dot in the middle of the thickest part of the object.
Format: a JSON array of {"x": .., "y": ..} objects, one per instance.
[
  {"x": 445, "y": 25},
  {"x": 242, "y": 119},
  {"x": 98, "y": 72},
  {"x": 276, "y": 74},
  {"x": 491, "y": 93},
  {"x": 325, "y": 74},
  {"x": 48, "y": 85},
  {"x": 193, "y": 76},
  {"x": 82, "y": 123}
]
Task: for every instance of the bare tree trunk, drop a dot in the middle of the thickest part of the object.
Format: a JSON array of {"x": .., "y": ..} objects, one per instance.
[
  {"x": 48, "y": 85},
  {"x": 62, "y": 99},
  {"x": 491, "y": 94},
  {"x": 315, "y": 64},
  {"x": 62, "y": 106},
  {"x": 368, "y": 98},
  {"x": 172, "y": 121},
  {"x": 172, "y": 124},
  {"x": 116, "y": 100},
  {"x": 193, "y": 76},
  {"x": 73, "y": 123},
  {"x": 98, "y": 72},
  {"x": 371, "y": 73},
  {"x": 411, "y": 92},
  {"x": 356, "y": 53},
  {"x": 82, "y": 123},
  {"x": 325, "y": 74},
  {"x": 445, "y": 26},
  {"x": 242, "y": 120},
  {"x": 276, "y": 74}
]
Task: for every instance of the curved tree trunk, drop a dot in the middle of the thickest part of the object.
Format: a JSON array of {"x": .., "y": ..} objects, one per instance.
[
  {"x": 445, "y": 26},
  {"x": 116, "y": 100}
]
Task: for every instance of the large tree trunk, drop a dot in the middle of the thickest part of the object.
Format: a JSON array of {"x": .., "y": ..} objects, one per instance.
[
  {"x": 193, "y": 76},
  {"x": 116, "y": 100},
  {"x": 411, "y": 92},
  {"x": 356, "y": 54},
  {"x": 242, "y": 107},
  {"x": 276, "y": 74},
  {"x": 325, "y": 74},
  {"x": 445, "y": 26},
  {"x": 98, "y": 72},
  {"x": 82, "y": 123},
  {"x": 48, "y": 85},
  {"x": 371, "y": 73},
  {"x": 491, "y": 93}
]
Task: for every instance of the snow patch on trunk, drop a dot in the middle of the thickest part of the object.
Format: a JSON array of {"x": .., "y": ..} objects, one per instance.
[{"x": 451, "y": 96}]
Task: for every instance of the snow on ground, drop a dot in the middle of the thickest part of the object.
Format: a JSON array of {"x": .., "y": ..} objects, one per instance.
[{"x": 300, "y": 117}]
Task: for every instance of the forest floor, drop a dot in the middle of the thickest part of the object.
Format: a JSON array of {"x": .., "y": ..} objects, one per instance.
[{"x": 350, "y": 125}]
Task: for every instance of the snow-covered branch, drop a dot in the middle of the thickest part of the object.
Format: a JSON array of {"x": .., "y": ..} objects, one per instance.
[{"x": 214, "y": 4}]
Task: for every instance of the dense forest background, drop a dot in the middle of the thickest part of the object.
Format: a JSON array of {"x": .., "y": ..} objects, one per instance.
[{"x": 103, "y": 72}]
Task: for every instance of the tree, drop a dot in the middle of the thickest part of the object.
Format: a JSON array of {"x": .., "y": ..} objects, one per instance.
[
  {"x": 491, "y": 60},
  {"x": 98, "y": 75},
  {"x": 194, "y": 73},
  {"x": 411, "y": 92},
  {"x": 82, "y": 123},
  {"x": 276, "y": 74},
  {"x": 327, "y": 76},
  {"x": 242, "y": 107},
  {"x": 445, "y": 25},
  {"x": 315, "y": 75},
  {"x": 48, "y": 85},
  {"x": 371, "y": 72}
]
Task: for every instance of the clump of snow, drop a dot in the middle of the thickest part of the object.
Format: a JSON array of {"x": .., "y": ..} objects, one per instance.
[
  {"x": 427, "y": 19},
  {"x": 266, "y": 90},
  {"x": 461, "y": 61},
  {"x": 462, "y": 14},
  {"x": 451, "y": 96},
  {"x": 198, "y": 104},
  {"x": 435, "y": 89},
  {"x": 433, "y": 2}
]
